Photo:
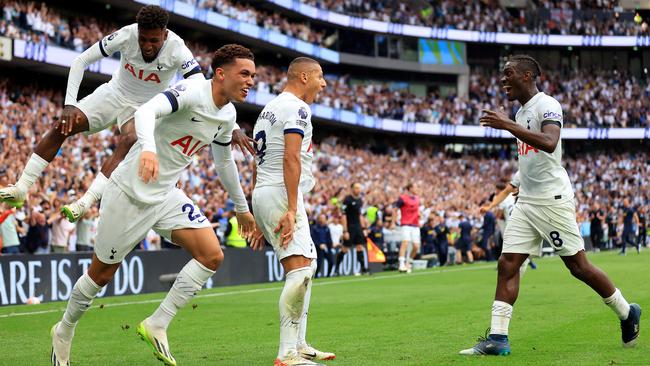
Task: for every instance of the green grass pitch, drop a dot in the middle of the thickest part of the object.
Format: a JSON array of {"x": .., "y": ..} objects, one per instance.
[{"x": 423, "y": 318}]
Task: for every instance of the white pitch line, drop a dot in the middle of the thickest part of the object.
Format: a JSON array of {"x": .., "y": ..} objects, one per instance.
[{"x": 256, "y": 290}]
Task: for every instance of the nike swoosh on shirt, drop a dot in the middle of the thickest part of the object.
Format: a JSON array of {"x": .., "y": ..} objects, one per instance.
[{"x": 194, "y": 119}]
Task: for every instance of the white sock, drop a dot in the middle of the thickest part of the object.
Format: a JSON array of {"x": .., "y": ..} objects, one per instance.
[
  {"x": 31, "y": 173},
  {"x": 402, "y": 260},
  {"x": 501, "y": 314},
  {"x": 618, "y": 303},
  {"x": 83, "y": 293},
  {"x": 95, "y": 191},
  {"x": 302, "y": 332},
  {"x": 189, "y": 281},
  {"x": 292, "y": 301}
]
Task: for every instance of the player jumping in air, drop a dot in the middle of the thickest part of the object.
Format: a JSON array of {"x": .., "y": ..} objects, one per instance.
[
  {"x": 150, "y": 57},
  {"x": 172, "y": 128},
  {"x": 545, "y": 209}
]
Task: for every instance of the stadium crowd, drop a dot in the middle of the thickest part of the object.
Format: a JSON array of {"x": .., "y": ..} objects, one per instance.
[
  {"x": 610, "y": 99},
  {"x": 455, "y": 185},
  {"x": 449, "y": 184},
  {"x": 36, "y": 22},
  {"x": 601, "y": 99},
  {"x": 583, "y": 17}
]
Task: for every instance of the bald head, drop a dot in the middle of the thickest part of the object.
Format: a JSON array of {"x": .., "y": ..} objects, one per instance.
[{"x": 301, "y": 65}]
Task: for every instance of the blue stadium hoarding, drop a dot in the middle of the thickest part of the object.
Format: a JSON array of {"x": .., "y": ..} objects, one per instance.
[{"x": 63, "y": 57}]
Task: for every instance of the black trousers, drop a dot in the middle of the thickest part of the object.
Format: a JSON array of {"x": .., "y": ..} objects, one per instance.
[
  {"x": 321, "y": 255},
  {"x": 443, "y": 252},
  {"x": 596, "y": 237}
]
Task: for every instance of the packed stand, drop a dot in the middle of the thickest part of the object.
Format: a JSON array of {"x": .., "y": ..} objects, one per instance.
[
  {"x": 449, "y": 184},
  {"x": 274, "y": 21},
  {"x": 38, "y": 23},
  {"x": 584, "y": 17},
  {"x": 589, "y": 99}
]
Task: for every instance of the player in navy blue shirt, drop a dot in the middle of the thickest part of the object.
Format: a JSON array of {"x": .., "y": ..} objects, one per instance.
[
  {"x": 489, "y": 225},
  {"x": 630, "y": 221},
  {"x": 464, "y": 242},
  {"x": 442, "y": 243},
  {"x": 320, "y": 234}
]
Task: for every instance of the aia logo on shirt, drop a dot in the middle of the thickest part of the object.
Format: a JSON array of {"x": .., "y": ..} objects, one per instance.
[
  {"x": 523, "y": 148},
  {"x": 152, "y": 76},
  {"x": 188, "y": 145}
]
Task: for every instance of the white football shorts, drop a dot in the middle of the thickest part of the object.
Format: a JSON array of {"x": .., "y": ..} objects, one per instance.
[
  {"x": 124, "y": 222},
  {"x": 410, "y": 234},
  {"x": 104, "y": 108},
  {"x": 529, "y": 225},
  {"x": 269, "y": 204}
]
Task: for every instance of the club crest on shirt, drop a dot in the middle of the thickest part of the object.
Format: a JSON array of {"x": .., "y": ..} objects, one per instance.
[
  {"x": 109, "y": 38},
  {"x": 302, "y": 112}
]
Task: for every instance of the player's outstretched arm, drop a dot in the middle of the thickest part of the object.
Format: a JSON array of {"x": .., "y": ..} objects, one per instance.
[
  {"x": 229, "y": 176},
  {"x": 500, "y": 197},
  {"x": 546, "y": 140},
  {"x": 71, "y": 114},
  {"x": 291, "y": 171}
]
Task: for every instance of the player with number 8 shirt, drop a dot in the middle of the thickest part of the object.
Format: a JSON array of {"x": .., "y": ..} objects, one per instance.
[{"x": 545, "y": 209}]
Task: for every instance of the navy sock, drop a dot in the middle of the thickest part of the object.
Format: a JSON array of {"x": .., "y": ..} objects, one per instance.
[{"x": 498, "y": 337}]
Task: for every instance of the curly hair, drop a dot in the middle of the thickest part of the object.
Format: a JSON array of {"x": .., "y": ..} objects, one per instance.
[
  {"x": 152, "y": 17},
  {"x": 527, "y": 63},
  {"x": 228, "y": 53}
]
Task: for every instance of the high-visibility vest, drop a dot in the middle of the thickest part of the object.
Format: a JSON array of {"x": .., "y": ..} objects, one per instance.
[
  {"x": 234, "y": 239},
  {"x": 371, "y": 214}
]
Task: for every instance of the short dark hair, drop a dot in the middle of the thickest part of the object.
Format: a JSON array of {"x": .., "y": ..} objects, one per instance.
[
  {"x": 152, "y": 17},
  {"x": 229, "y": 53},
  {"x": 408, "y": 186},
  {"x": 300, "y": 60},
  {"x": 527, "y": 63}
]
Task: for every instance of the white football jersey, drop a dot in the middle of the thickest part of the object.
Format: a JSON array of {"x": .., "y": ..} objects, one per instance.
[
  {"x": 286, "y": 113},
  {"x": 195, "y": 123},
  {"x": 543, "y": 179},
  {"x": 137, "y": 80}
]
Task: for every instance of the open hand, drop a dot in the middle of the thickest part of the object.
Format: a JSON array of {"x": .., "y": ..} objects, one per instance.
[
  {"x": 495, "y": 119},
  {"x": 70, "y": 116},
  {"x": 243, "y": 142},
  {"x": 246, "y": 223},
  {"x": 285, "y": 228}
]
